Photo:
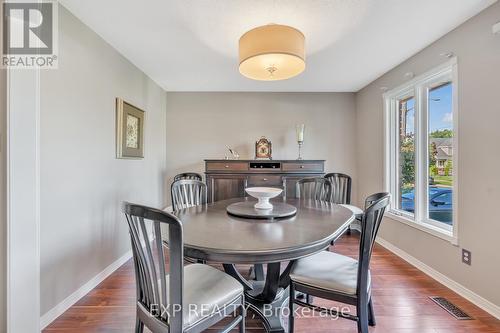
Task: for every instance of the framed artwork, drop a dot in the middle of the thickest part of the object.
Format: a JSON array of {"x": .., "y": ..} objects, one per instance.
[
  {"x": 263, "y": 149},
  {"x": 129, "y": 130}
]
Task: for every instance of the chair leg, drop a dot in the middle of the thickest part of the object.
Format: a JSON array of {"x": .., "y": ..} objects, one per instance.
[
  {"x": 362, "y": 312},
  {"x": 243, "y": 316},
  {"x": 256, "y": 272},
  {"x": 371, "y": 314},
  {"x": 348, "y": 232},
  {"x": 139, "y": 326},
  {"x": 259, "y": 272},
  {"x": 291, "y": 299}
]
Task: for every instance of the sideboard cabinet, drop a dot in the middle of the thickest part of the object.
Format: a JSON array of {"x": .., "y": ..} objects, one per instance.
[{"x": 228, "y": 179}]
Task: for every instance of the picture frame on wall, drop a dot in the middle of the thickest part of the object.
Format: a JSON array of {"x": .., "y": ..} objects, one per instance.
[{"x": 129, "y": 130}]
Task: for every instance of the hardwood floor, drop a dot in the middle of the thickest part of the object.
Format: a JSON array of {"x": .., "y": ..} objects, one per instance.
[{"x": 400, "y": 292}]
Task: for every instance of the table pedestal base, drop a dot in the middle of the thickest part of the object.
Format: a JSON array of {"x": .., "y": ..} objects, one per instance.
[
  {"x": 271, "y": 314},
  {"x": 268, "y": 298}
]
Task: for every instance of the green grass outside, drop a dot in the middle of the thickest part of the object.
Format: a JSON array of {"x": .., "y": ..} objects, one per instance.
[{"x": 443, "y": 180}]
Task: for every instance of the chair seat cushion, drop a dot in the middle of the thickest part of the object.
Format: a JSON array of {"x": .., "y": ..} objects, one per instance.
[
  {"x": 358, "y": 212},
  {"x": 328, "y": 271},
  {"x": 206, "y": 291}
]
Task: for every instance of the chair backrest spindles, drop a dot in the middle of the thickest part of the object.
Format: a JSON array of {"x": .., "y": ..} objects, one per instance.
[
  {"x": 149, "y": 262},
  {"x": 188, "y": 193},
  {"x": 188, "y": 175},
  {"x": 340, "y": 192},
  {"x": 372, "y": 218},
  {"x": 316, "y": 188}
]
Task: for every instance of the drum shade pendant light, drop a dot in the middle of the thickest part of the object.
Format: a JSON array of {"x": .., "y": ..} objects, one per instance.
[{"x": 272, "y": 52}]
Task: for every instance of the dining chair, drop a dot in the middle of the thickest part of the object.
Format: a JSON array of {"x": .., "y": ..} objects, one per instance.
[
  {"x": 187, "y": 193},
  {"x": 340, "y": 193},
  {"x": 186, "y": 299},
  {"x": 188, "y": 175},
  {"x": 316, "y": 188},
  {"x": 339, "y": 278}
]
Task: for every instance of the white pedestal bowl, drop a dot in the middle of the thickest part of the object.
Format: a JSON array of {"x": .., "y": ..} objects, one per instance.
[{"x": 263, "y": 194}]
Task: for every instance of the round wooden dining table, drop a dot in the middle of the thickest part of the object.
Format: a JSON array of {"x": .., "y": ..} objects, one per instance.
[{"x": 211, "y": 234}]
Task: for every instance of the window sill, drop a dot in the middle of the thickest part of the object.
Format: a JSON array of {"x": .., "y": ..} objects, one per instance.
[{"x": 428, "y": 228}]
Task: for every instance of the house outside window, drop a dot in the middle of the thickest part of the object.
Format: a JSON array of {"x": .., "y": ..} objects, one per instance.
[
  {"x": 421, "y": 151},
  {"x": 443, "y": 150}
]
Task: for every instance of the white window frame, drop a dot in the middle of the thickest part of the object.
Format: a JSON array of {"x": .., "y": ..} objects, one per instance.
[{"x": 418, "y": 88}]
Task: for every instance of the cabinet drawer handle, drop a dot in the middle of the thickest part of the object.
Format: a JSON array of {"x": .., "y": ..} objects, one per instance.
[
  {"x": 264, "y": 179},
  {"x": 302, "y": 167},
  {"x": 226, "y": 166}
]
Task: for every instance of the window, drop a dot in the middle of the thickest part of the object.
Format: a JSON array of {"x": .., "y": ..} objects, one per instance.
[
  {"x": 440, "y": 138},
  {"x": 406, "y": 154},
  {"x": 421, "y": 150}
]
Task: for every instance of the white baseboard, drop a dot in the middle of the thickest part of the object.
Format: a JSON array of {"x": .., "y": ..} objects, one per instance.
[
  {"x": 60, "y": 308},
  {"x": 472, "y": 297}
]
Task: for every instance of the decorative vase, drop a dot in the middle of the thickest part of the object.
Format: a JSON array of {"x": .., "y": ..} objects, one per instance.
[
  {"x": 300, "y": 137},
  {"x": 263, "y": 194}
]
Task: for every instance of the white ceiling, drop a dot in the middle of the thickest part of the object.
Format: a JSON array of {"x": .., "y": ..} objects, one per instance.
[{"x": 192, "y": 45}]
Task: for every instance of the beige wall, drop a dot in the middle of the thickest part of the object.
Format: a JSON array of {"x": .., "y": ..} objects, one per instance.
[
  {"x": 3, "y": 189},
  {"x": 3, "y": 206},
  {"x": 201, "y": 125},
  {"x": 3, "y": 198},
  {"x": 478, "y": 52},
  {"x": 82, "y": 183}
]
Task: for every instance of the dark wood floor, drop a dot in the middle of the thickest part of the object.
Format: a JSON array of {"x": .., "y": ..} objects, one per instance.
[{"x": 401, "y": 300}]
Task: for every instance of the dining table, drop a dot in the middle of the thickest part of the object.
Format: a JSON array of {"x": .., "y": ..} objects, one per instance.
[{"x": 213, "y": 235}]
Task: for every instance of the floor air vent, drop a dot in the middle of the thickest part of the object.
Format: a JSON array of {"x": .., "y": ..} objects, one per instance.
[{"x": 452, "y": 309}]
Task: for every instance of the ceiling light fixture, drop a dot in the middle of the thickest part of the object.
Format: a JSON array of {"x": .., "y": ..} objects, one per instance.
[{"x": 272, "y": 52}]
